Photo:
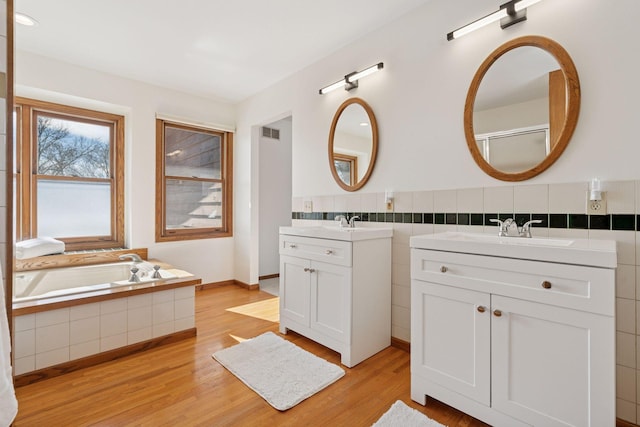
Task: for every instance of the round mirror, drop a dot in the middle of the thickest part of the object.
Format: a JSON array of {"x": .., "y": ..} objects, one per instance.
[
  {"x": 353, "y": 144},
  {"x": 522, "y": 108}
]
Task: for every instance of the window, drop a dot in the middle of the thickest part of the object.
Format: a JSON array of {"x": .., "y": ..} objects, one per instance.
[
  {"x": 193, "y": 182},
  {"x": 347, "y": 167},
  {"x": 69, "y": 173}
]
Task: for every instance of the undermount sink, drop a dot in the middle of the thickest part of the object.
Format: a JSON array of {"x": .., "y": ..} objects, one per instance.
[
  {"x": 338, "y": 233},
  {"x": 597, "y": 253}
]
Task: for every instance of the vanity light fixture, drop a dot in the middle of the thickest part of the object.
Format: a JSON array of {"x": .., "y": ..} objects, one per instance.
[
  {"x": 25, "y": 20},
  {"x": 350, "y": 81},
  {"x": 509, "y": 13}
]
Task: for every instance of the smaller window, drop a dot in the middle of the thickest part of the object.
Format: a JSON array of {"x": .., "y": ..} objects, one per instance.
[{"x": 193, "y": 182}]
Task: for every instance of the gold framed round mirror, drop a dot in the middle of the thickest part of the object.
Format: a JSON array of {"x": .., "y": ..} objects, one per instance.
[
  {"x": 522, "y": 108},
  {"x": 353, "y": 144}
]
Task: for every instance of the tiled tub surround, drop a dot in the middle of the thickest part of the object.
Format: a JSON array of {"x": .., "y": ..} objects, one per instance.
[
  {"x": 53, "y": 337},
  {"x": 564, "y": 208}
]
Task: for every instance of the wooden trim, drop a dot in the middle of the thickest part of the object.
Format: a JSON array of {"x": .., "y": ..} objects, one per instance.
[
  {"x": 214, "y": 285},
  {"x": 107, "y": 356},
  {"x": 9, "y": 232},
  {"x": 54, "y": 303},
  {"x": 374, "y": 149},
  {"x": 269, "y": 276},
  {"x": 622, "y": 423},
  {"x": 254, "y": 287},
  {"x": 75, "y": 260},
  {"x": 401, "y": 344},
  {"x": 572, "y": 112}
]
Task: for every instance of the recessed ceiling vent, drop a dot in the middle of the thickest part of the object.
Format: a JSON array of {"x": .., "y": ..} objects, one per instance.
[{"x": 270, "y": 133}]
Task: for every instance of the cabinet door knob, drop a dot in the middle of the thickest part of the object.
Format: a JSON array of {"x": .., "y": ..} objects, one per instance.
[
  {"x": 497, "y": 313},
  {"x": 328, "y": 252},
  {"x": 546, "y": 284},
  {"x": 312, "y": 270},
  {"x": 443, "y": 269},
  {"x": 306, "y": 269},
  {"x": 293, "y": 246},
  {"x": 481, "y": 309}
]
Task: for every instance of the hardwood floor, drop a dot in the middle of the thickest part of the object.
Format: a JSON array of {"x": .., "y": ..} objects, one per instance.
[{"x": 181, "y": 385}]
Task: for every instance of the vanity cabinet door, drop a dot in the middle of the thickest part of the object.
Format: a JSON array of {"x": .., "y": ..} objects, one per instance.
[
  {"x": 331, "y": 300},
  {"x": 450, "y": 338},
  {"x": 543, "y": 360},
  {"x": 294, "y": 289}
]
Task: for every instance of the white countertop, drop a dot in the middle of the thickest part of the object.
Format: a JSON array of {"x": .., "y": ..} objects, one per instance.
[
  {"x": 338, "y": 233},
  {"x": 590, "y": 252}
]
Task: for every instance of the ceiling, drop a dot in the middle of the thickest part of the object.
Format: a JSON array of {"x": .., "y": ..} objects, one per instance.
[{"x": 221, "y": 49}]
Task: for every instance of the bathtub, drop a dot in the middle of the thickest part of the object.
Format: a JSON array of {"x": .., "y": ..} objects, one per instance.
[
  {"x": 70, "y": 317},
  {"x": 55, "y": 282}
]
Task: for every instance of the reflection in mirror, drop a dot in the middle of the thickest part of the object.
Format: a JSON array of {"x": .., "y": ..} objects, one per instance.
[
  {"x": 353, "y": 144},
  {"x": 522, "y": 108}
]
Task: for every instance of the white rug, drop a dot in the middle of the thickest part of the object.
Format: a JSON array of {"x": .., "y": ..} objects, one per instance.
[
  {"x": 282, "y": 373},
  {"x": 401, "y": 415}
]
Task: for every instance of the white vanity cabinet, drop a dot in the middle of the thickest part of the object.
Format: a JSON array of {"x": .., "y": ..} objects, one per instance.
[
  {"x": 512, "y": 341},
  {"x": 337, "y": 292}
]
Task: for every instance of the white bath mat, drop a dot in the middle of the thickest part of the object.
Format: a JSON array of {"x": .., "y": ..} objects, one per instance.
[
  {"x": 282, "y": 373},
  {"x": 401, "y": 415}
]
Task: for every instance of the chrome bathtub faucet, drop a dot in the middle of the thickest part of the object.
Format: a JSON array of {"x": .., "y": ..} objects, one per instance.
[{"x": 133, "y": 257}]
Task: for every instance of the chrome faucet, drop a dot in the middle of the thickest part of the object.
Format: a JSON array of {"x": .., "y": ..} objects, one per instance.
[
  {"x": 509, "y": 227},
  {"x": 133, "y": 257},
  {"x": 347, "y": 222}
]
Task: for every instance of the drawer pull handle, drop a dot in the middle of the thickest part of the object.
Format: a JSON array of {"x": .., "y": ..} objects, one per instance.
[
  {"x": 293, "y": 246},
  {"x": 443, "y": 269},
  {"x": 546, "y": 284},
  {"x": 481, "y": 309},
  {"x": 328, "y": 252},
  {"x": 497, "y": 313}
]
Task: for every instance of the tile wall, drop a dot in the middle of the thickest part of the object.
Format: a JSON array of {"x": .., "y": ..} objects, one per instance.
[
  {"x": 52, "y": 337},
  {"x": 562, "y": 207}
]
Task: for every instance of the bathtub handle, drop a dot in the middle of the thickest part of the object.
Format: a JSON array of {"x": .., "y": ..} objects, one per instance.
[{"x": 134, "y": 276}]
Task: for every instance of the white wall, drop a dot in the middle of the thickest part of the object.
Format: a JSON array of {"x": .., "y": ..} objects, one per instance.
[
  {"x": 211, "y": 259},
  {"x": 275, "y": 194}
]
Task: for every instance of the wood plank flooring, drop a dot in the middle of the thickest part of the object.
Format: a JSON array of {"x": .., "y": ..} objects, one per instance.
[{"x": 181, "y": 385}]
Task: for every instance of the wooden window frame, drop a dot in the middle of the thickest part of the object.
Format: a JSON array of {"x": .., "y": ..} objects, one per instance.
[
  {"x": 26, "y": 171},
  {"x": 163, "y": 234},
  {"x": 353, "y": 166}
]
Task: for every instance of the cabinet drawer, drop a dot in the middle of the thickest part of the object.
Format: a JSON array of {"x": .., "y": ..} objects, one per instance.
[
  {"x": 572, "y": 286},
  {"x": 325, "y": 250}
]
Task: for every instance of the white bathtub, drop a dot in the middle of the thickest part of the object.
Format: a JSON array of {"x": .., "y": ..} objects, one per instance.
[{"x": 54, "y": 282}]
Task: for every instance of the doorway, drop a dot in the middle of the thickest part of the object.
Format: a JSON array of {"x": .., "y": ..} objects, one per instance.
[{"x": 274, "y": 175}]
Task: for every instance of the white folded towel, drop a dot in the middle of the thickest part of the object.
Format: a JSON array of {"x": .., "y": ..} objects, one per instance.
[{"x": 38, "y": 247}]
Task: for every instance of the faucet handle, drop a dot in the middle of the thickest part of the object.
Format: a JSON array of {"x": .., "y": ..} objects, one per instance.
[
  {"x": 343, "y": 220},
  {"x": 501, "y": 225},
  {"x": 525, "y": 231}
]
